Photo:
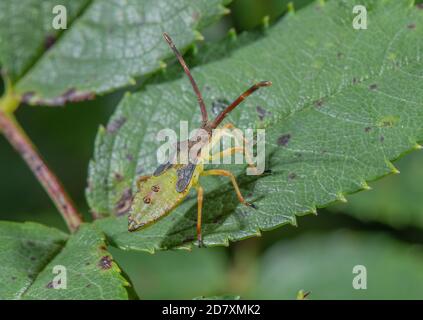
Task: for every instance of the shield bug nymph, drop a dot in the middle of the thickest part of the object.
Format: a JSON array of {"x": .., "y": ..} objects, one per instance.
[{"x": 158, "y": 194}]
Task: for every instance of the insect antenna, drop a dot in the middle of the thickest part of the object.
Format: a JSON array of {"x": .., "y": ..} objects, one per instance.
[
  {"x": 203, "y": 109},
  {"x": 237, "y": 101}
]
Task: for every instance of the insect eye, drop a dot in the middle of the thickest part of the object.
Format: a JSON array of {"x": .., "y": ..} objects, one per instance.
[
  {"x": 147, "y": 200},
  {"x": 155, "y": 188}
]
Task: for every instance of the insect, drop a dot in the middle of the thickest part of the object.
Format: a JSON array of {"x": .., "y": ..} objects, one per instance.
[{"x": 159, "y": 193}]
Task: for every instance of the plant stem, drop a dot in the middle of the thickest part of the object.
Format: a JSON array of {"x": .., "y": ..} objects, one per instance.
[{"x": 23, "y": 145}]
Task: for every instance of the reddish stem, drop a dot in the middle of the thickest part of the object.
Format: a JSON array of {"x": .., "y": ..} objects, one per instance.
[{"x": 23, "y": 145}]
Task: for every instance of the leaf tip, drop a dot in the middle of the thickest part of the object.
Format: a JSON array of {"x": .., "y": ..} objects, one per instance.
[
  {"x": 162, "y": 65},
  {"x": 365, "y": 186},
  {"x": 265, "y": 22},
  {"x": 198, "y": 36},
  {"x": 290, "y": 7},
  {"x": 342, "y": 198},
  {"x": 232, "y": 34}
]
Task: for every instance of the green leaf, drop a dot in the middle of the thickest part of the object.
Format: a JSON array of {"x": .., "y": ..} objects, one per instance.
[
  {"x": 111, "y": 44},
  {"x": 26, "y": 31},
  {"x": 343, "y": 104},
  {"x": 396, "y": 200},
  {"x": 25, "y": 249},
  {"x": 31, "y": 253},
  {"x": 323, "y": 264}
]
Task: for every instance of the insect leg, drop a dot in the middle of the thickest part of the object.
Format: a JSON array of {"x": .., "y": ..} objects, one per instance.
[
  {"x": 142, "y": 179},
  {"x": 219, "y": 172},
  {"x": 240, "y": 140},
  {"x": 200, "y": 192},
  {"x": 237, "y": 101},
  {"x": 226, "y": 152}
]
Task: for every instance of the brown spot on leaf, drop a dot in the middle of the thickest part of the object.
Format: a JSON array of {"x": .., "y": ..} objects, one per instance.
[
  {"x": 118, "y": 177},
  {"x": 262, "y": 113},
  {"x": 284, "y": 139},
  {"x": 105, "y": 262},
  {"x": 219, "y": 105},
  {"x": 318, "y": 103},
  {"x": 115, "y": 124},
  {"x": 70, "y": 95},
  {"x": 124, "y": 203},
  {"x": 49, "y": 41},
  {"x": 411, "y": 26},
  {"x": 373, "y": 86}
]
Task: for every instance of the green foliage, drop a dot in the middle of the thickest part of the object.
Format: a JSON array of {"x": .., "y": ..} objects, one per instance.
[
  {"x": 343, "y": 105},
  {"x": 396, "y": 200},
  {"x": 393, "y": 268},
  {"x": 30, "y": 251},
  {"x": 111, "y": 44},
  {"x": 26, "y": 31}
]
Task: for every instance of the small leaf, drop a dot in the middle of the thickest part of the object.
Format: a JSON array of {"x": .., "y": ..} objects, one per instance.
[
  {"x": 343, "y": 104},
  {"x": 30, "y": 252},
  {"x": 323, "y": 265},
  {"x": 111, "y": 44}
]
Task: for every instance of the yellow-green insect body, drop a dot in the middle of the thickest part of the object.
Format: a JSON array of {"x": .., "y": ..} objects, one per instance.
[{"x": 158, "y": 195}]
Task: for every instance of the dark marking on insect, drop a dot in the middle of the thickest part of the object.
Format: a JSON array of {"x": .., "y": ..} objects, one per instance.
[
  {"x": 218, "y": 106},
  {"x": 124, "y": 203},
  {"x": 105, "y": 262},
  {"x": 284, "y": 139},
  {"x": 184, "y": 176},
  {"x": 162, "y": 168},
  {"x": 115, "y": 124},
  {"x": 367, "y": 129},
  {"x": 49, "y": 41},
  {"x": 373, "y": 86},
  {"x": 318, "y": 103},
  {"x": 262, "y": 113},
  {"x": 411, "y": 26},
  {"x": 147, "y": 200},
  {"x": 155, "y": 188}
]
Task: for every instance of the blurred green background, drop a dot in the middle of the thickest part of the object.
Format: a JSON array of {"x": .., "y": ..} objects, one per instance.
[{"x": 380, "y": 229}]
